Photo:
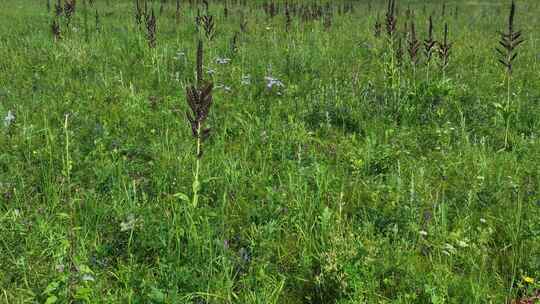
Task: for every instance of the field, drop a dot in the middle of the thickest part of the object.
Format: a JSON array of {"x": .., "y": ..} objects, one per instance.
[{"x": 334, "y": 153}]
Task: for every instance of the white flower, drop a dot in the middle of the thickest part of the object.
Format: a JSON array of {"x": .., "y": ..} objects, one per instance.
[
  {"x": 423, "y": 233},
  {"x": 271, "y": 82},
  {"x": 223, "y": 60},
  {"x": 9, "y": 119},
  {"x": 246, "y": 79},
  {"x": 60, "y": 267},
  {"x": 129, "y": 224},
  {"x": 180, "y": 55},
  {"x": 88, "y": 278},
  {"x": 462, "y": 244},
  {"x": 449, "y": 249},
  {"x": 483, "y": 220},
  {"x": 224, "y": 87}
]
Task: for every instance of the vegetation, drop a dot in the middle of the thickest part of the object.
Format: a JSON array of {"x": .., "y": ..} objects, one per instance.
[{"x": 354, "y": 151}]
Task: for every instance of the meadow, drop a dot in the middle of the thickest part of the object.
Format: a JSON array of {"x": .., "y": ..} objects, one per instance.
[{"x": 269, "y": 152}]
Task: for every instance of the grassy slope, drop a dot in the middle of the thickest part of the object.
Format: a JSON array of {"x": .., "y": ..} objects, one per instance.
[{"x": 315, "y": 196}]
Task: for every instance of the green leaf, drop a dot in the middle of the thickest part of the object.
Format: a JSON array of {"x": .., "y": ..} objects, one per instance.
[
  {"x": 51, "y": 299},
  {"x": 51, "y": 287},
  {"x": 181, "y": 196},
  {"x": 157, "y": 295}
]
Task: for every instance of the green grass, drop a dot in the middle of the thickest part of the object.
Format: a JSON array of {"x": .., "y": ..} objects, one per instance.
[{"x": 328, "y": 190}]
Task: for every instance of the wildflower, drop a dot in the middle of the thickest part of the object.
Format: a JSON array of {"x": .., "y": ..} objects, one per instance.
[
  {"x": 224, "y": 87},
  {"x": 244, "y": 255},
  {"x": 9, "y": 119},
  {"x": 60, "y": 267},
  {"x": 462, "y": 244},
  {"x": 271, "y": 82},
  {"x": 180, "y": 55},
  {"x": 223, "y": 60},
  {"x": 449, "y": 249},
  {"x": 88, "y": 278},
  {"x": 423, "y": 233},
  {"x": 528, "y": 280},
  {"x": 129, "y": 224},
  {"x": 483, "y": 220},
  {"x": 246, "y": 79}
]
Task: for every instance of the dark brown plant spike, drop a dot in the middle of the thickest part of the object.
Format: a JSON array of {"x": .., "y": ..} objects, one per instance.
[
  {"x": 206, "y": 6},
  {"x": 443, "y": 12},
  {"x": 69, "y": 10},
  {"x": 177, "y": 13},
  {"x": 97, "y": 20},
  {"x": 444, "y": 48},
  {"x": 377, "y": 27},
  {"x": 138, "y": 13},
  {"x": 234, "y": 44},
  {"x": 55, "y": 29},
  {"x": 429, "y": 43},
  {"x": 243, "y": 25},
  {"x": 199, "y": 100},
  {"x": 509, "y": 41},
  {"x": 413, "y": 45},
  {"x": 288, "y": 19},
  {"x": 327, "y": 22},
  {"x": 58, "y": 8},
  {"x": 199, "y": 63},
  {"x": 399, "y": 52},
  {"x": 391, "y": 20},
  {"x": 208, "y": 25},
  {"x": 151, "y": 30},
  {"x": 198, "y": 18}
]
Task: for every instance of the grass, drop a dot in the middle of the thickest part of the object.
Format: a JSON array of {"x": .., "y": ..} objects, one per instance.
[{"x": 324, "y": 189}]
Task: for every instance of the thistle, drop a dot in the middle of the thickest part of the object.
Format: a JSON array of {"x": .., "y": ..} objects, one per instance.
[
  {"x": 199, "y": 100},
  {"x": 509, "y": 41}
]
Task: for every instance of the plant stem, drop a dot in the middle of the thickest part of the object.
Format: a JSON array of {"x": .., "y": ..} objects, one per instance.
[
  {"x": 507, "y": 110},
  {"x": 196, "y": 183}
]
